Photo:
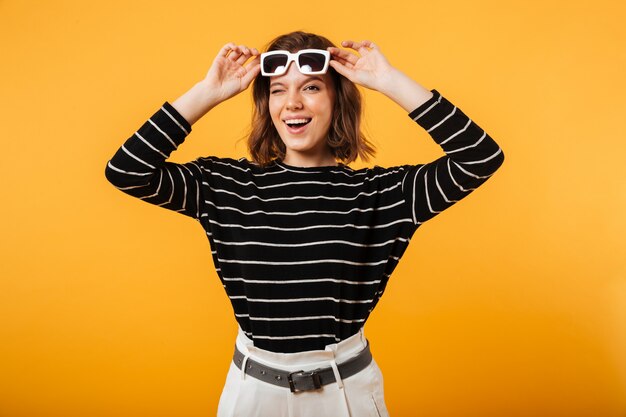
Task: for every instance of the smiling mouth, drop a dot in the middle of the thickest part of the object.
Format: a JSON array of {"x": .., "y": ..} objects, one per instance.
[
  {"x": 297, "y": 126},
  {"x": 300, "y": 123}
]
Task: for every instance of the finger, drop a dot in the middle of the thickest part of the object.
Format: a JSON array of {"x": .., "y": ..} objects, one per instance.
[
  {"x": 235, "y": 53},
  {"x": 243, "y": 59},
  {"x": 342, "y": 69},
  {"x": 344, "y": 55},
  {"x": 351, "y": 44},
  {"x": 226, "y": 49},
  {"x": 245, "y": 54},
  {"x": 343, "y": 62},
  {"x": 357, "y": 46},
  {"x": 252, "y": 70},
  {"x": 370, "y": 45},
  {"x": 256, "y": 61}
]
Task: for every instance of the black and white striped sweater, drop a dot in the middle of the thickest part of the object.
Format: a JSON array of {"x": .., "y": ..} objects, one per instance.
[{"x": 304, "y": 254}]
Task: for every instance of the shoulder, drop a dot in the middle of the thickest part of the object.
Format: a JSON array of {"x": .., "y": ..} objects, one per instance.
[
  {"x": 376, "y": 177},
  {"x": 217, "y": 161},
  {"x": 378, "y": 172},
  {"x": 234, "y": 166}
]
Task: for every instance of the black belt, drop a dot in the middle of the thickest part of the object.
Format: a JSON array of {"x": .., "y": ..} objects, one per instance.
[{"x": 304, "y": 380}]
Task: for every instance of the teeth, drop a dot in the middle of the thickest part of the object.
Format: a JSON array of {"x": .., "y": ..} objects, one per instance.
[{"x": 296, "y": 121}]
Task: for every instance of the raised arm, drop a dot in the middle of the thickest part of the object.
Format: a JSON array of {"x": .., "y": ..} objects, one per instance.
[
  {"x": 227, "y": 77},
  {"x": 140, "y": 168},
  {"x": 372, "y": 70},
  {"x": 472, "y": 156}
]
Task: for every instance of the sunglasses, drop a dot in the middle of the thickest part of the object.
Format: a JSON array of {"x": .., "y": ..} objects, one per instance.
[{"x": 309, "y": 61}]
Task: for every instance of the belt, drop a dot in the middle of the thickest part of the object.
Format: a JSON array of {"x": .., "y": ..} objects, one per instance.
[{"x": 304, "y": 380}]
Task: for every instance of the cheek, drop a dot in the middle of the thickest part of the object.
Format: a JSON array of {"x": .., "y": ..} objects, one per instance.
[
  {"x": 323, "y": 107},
  {"x": 327, "y": 110},
  {"x": 274, "y": 110}
]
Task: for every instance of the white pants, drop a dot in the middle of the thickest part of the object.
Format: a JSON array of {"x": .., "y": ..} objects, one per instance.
[{"x": 360, "y": 395}]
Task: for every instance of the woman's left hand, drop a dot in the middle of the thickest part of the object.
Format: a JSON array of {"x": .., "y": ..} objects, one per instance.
[{"x": 371, "y": 69}]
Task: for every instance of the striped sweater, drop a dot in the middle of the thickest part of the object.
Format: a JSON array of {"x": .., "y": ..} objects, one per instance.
[{"x": 304, "y": 254}]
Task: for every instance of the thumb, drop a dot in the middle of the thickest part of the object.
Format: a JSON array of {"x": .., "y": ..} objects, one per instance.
[
  {"x": 252, "y": 70},
  {"x": 342, "y": 69}
]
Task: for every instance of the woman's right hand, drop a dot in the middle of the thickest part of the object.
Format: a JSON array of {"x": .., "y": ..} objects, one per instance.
[{"x": 229, "y": 74}]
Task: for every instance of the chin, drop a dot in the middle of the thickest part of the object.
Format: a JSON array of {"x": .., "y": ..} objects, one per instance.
[{"x": 297, "y": 145}]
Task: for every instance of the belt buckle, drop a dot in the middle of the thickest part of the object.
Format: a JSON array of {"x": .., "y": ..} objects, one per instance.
[{"x": 315, "y": 378}]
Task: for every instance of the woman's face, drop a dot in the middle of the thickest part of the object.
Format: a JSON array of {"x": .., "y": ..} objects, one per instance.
[{"x": 301, "y": 107}]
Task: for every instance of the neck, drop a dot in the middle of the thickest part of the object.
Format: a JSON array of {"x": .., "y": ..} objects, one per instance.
[{"x": 309, "y": 162}]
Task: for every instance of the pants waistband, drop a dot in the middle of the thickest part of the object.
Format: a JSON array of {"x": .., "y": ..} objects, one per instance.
[{"x": 309, "y": 360}]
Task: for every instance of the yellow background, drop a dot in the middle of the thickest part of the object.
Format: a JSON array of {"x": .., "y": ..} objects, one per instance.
[{"x": 511, "y": 303}]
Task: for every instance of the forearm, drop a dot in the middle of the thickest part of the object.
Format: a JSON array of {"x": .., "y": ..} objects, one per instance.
[
  {"x": 196, "y": 102},
  {"x": 407, "y": 93},
  {"x": 465, "y": 143},
  {"x": 140, "y": 168},
  {"x": 144, "y": 153},
  {"x": 472, "y": 157}
]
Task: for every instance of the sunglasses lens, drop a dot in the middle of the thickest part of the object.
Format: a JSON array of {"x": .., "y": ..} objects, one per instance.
[
  {"x": 274, "y": 63},
  {"x": 311, "y": 62}
]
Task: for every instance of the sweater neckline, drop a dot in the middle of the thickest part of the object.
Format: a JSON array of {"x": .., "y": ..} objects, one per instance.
[{"x": 324, "y": 168}]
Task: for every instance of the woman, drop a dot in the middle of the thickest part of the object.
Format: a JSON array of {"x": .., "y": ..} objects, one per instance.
[{"x": 303, "y": 244}]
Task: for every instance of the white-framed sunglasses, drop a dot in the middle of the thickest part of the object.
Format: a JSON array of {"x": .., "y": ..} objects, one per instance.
[{"x": 309, "y": 61}]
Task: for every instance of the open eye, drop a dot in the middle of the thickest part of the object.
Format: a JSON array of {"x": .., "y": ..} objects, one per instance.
[{"x": 312, "y": 88}]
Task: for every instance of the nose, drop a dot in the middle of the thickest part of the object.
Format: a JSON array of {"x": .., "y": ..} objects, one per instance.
[{"x": 294, "y": 100}]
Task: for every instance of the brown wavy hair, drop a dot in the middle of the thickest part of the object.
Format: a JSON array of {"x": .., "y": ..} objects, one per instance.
[{"x": 346, "y": 141}]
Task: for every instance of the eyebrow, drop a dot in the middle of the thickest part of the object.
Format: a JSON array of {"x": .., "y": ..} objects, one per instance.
[{"x": 307, "y": 79}]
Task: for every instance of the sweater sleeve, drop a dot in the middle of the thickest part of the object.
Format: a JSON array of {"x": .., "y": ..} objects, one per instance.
[
  {"x": 139, "y": 167},
  {"x": 472, "y": 156}
]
